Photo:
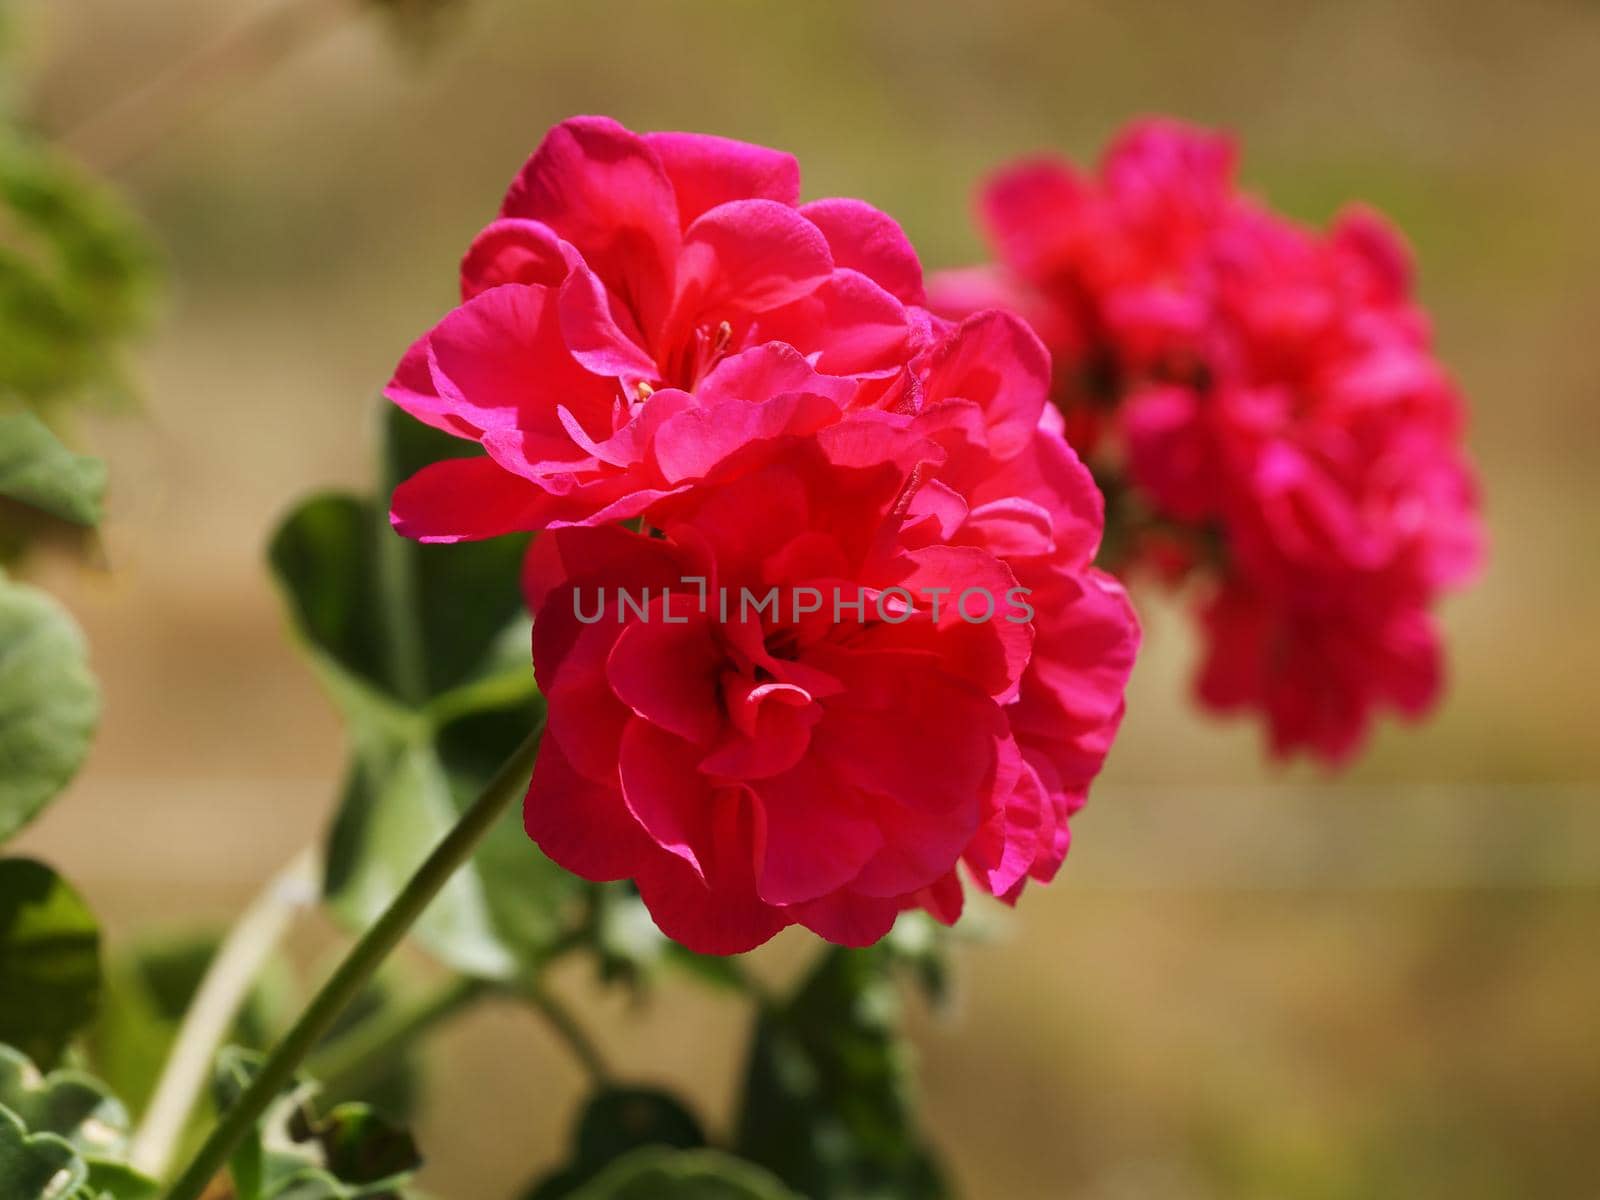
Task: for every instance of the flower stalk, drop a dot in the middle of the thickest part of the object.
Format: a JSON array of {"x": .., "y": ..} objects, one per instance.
[{"x": 358, "y": 968}]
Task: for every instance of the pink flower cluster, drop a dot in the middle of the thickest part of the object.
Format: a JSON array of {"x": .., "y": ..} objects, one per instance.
[
  {"x": 697, "y": 386},
  {"x": 1263, "y": 406}
]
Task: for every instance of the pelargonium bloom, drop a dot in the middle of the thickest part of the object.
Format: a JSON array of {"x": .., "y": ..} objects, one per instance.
[
  {"x": 785, "y": 704},
  {"x": 631, "y": 277},
  {"x": 848, "y": 649},
  {"x": 1264, "y": 403}
]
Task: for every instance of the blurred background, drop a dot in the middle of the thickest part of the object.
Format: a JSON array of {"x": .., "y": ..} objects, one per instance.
[{"x": 1249, "y": 981}]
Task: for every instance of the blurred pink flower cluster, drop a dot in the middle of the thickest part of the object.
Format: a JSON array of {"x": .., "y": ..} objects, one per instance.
[
  {"x": 698, "y": 387},
  {"x": 1262, "y": 404}
]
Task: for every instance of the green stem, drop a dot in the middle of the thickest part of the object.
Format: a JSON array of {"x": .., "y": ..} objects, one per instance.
[
  {"x": 228, "y": 979},
  {"x": 344, "y": 1067},
  {"x": 357, "y": 969}
]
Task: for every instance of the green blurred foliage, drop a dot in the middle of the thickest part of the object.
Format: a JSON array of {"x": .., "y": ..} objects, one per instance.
[
  {"x": 49, "y": 703},
  {"x": 296, "y": 1153},
  {"x": 827, "y": 1102},
  {"x": 63, "y": 1136},
  {"x": 615, "y": 1122},
  {"x": 77, "y": 276},
  {"x": 37, "y": 470},
  {"x": 149, "y": 986},
  {"x": 658, "y": 1174},
  {"x": 49, "y": 960},
  {"x": 424, "y": 649}
]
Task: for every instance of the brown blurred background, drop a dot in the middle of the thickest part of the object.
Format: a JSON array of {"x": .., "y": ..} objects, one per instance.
[{"x": 1249, "y": 982}]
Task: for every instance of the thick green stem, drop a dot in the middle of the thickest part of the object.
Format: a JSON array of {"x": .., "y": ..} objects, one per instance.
[{"x": 357, "y": 969}]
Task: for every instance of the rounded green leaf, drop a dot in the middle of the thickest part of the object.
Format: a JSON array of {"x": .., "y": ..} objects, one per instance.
[
  {"x": 38, "y": 470},
  {"x": 49, "y": 960},
  {"x": 37, "y": 1166},
  {"x": 69, "y": 1104},
  {"x": 48, "y": 703}
]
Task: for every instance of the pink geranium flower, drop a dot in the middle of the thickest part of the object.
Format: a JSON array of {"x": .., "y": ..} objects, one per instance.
[
  {"x": 1265, "y": 403},
  {"x": 807, "y": 684},
  {"x": 783, "y": 707},
  {"x": 628, "y": 279}
]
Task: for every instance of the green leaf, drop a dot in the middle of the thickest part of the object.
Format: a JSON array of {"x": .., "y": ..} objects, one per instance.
[
  {"x": 75, "y": 1107},
  {"x": 64, "y": 1109},
  {"x": 49, "y": 960},
  {"x": 827, "y": 1095},
  {"x": 36, "y": 1166},
  {"x": 118, "y": 1181},
  {"x": 659, "y": 1174},
  {"x": 76, "y": 273},
  {"x": 37, "y": 469},
  {"x": 48, "y": 703},
  {"x": 352, "y": 1153},
  {"x": 615, "y": 1122},
  {"x": 425, "y": 651}
]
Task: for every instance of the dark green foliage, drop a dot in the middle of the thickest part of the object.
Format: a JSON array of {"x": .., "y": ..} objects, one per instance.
[
  {"x": 296, "y": 1153},
  {"x": 49, "y": 960},
  {"x": 425, "y": 650},
  {"x": 49, "y": 703},
  {"x": 615, "y": 1122},
  {"x": 827, "y": 1099},
  {"x": 658, "y": 1174}
]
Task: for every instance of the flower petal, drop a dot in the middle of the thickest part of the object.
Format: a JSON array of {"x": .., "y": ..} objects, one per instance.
[
  {"x": 707, "y": 171},
  {"x": 602, "y": 188},
  {"x": 869, "y": 240}
]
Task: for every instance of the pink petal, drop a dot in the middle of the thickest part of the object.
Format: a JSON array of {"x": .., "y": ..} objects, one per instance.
[
  {"x": 960, "y": 293},
  {"x": 847, "y": 326},
  {"x": 815, "y": 837},
  {"x": 769, "y": 370},
  {"x": 906, "y": 731},
  {"x": 721, "y": 914},
  {"x": 669, "y": 673},
  {"x": 919, "y": 847},
  {"x": 848, "y": 919},
  {"x": 771, "y": 730},
  {"x": 602, "y": 188},
  {"x": 499, "y": 361},
  {"x": 1008, "y": 844},
  {"x": 944, "y": 900},
  {"x": 868, "y": 240},
  {"x": 747, "y": 256},
  {"x": 464, "y": 499},
  {"x": 412, "y": 388},
  {"x": 707, "y": 171},
  {"x": 998, "y": 363},
  {"x": 511, "y": 250},
  {"x": 692, "y": 443},
  {"x": 1029, "y": 209},
  {"x": 580, "y": 824},
  {"x": 598, "y": 336},
  {"x": 664, "y": 791}
]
